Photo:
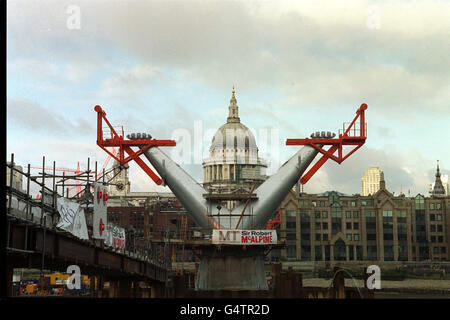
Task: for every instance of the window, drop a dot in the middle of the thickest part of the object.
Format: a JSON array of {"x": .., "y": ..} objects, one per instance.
[
  {"x": 371, "y": 236},
  {"x": 370, "y": 214},
  {"x": 356, "y": 226},
  {"x": 291, "y": 213},
  {"x": 371, "y": 225},
  {"x": 305, "y": 226},
  {"x": 435, "y": 250},
  {"x": 440, "y": 239},
  {"x": 439, "y": 228},
  {"x": 317, "y": 236},
  {"x": 432, "y": 217},
  {"x": 388, "y": 225},
  {"x": 419, "y": 202},
  {"x": 345, "y": 203},
  {"x": 366, "y": 203},
  {"x": 291, "y": 236},
  {"x": 355, "y": 214},
  {"x": 443, "y": 250},
  {"x": 401, "y": 214},
  {"x": 349, "y": 236},
  {"x": 317, "y": 214},
  {"x": 388, "y": 236},
  {"x": 432, "y": 228},
  {"x": 325, "y": 237},
  {"x": 387, "y": 213},
  {"x": 322, "y": 203},
  {"x": 291, "y": 252},
  {"x": 402, "y": 237},
  {"x": 336, "y": 226},
  {"x": 318, "y": 225},
  {"x": 420, "y": 217},
  {"x": 325, "y": 225},
  {"x": 356, "y": 237},
  {"x": 304, "y": 214},
  {"x": 305, "y": 237},
  {"x": 438, "y": 206},
  {"x": 433, "y": 238},
  {"x": 324, "y": 214},
  {"x": 353, "y": 203},
  {"x": 303, "y": 203},
  {"x": 335, "y": 211},
  {"x": 439, "y": 217},
  {"x": 431, "y": 206},
  {"x": 401, "y": 226},
  {"x": 348, "y": 214},
  {"x": 291, "y": 224},
  {"x": 348, "y": 225}
]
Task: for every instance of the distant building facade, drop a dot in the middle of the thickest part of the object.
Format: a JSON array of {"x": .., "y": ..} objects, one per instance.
[
  {"x": 333, "y": 226},
  {"x": 371, "y": 181},
  {"x": 438, "y": 187},
  {"x": 445, "y": 184}
]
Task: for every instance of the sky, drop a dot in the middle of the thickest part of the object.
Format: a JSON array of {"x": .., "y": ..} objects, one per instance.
[{"x": 167, "y": 68}]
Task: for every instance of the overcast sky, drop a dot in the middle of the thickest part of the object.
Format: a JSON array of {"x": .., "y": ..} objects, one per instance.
[{"x": 298, "y": 66}]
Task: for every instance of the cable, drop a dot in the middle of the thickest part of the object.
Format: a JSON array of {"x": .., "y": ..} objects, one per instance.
[{"x": 348, "y": 272}]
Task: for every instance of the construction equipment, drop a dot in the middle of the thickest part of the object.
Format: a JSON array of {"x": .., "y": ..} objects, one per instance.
[
  {"x": 116, "y": 140},
  {"x": 350, "y": 136},
  {"x": 275, "y": 222},
  {"x": 254, "y": 214}
]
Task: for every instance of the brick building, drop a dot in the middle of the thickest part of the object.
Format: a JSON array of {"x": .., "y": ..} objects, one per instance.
[{"x": 334, "y": 226}]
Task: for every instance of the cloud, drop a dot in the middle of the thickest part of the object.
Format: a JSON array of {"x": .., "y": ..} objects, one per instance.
[
  {"x": 32, "y": 116},
  {"x": 133, "y": 81},
  {"x": 303, "y": 60},
  {"x": 402, "y": 171},
  {"x": 310, "y": 51}
]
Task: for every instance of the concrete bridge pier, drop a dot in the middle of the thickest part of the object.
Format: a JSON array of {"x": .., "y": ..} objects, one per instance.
[
  {"x": 125, "y": 290},
  {"x": 157, "y": 290},
  {"x": 232, "y": 268}
]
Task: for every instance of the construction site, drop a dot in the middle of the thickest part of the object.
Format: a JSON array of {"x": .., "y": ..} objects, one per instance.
[{"x": 202, "y": 240}]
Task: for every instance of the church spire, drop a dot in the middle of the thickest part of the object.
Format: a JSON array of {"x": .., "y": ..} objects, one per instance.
[
  {"x": 233, "y": 109},
  {"x": 438, "y": 189},
  {"x": 438, "y": 174}
]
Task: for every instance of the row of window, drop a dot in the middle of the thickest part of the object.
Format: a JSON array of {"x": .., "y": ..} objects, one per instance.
[
  {"x": 336, "y": 213},
  {"x": 439, "y": 239},
  {"x": 436, "y": 228},
  {"x": 401, "y": 226},
  {"x": 436, "y": 250},
  {"x": 371, "y": 250},
  {"x": 344, "y": 203}
]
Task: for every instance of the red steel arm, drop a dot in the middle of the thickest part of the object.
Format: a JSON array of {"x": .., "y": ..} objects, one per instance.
[{"x": 336, "y": 144}]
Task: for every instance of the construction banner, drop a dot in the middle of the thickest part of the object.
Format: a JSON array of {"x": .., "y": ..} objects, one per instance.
[
  {"x": 115, "y": 237},
  {"x": 100, "y": 218},
  {"x": 244, "y": 237},
  {"x": 72, "y": 219}
]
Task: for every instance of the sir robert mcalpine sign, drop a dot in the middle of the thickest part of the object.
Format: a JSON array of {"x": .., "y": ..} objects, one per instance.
[{"x": 244, "y": 237}]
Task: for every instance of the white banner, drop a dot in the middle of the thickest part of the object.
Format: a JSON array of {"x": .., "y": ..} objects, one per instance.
[
  {"x": 72, "y": 218},
  {"x": 244, "y": 237},
  {"x": 115, "y": 237}
]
